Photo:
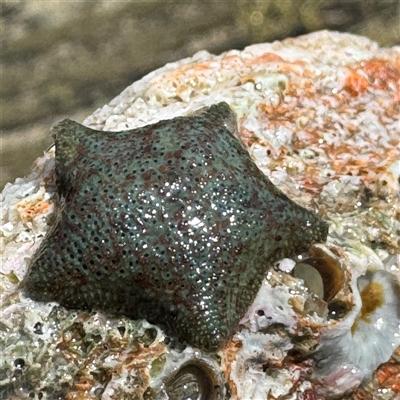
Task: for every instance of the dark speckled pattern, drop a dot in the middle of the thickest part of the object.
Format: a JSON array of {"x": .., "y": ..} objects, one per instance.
[{"x": 172, "y": 222}]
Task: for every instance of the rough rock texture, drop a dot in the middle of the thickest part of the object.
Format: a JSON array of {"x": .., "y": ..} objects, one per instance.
[
  {"x": 49, "y": 47},
  {"x": 319, "y": 115}
]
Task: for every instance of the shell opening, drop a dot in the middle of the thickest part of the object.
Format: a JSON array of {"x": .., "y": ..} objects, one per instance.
[{"x": 194, "y": 381}]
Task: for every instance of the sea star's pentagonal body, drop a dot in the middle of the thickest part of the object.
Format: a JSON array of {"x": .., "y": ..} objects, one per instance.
[{"x": 171, "y": 222}]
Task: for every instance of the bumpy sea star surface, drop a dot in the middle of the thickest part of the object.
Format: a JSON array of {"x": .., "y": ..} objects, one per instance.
[{"x": 172, "y": 222}]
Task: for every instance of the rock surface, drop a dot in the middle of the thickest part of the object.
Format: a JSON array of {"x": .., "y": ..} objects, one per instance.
[
  {"x": 319, "y": 115},
  {"x": 49, "y": 47}
]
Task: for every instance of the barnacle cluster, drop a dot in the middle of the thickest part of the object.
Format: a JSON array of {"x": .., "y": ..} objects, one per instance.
[{"x": 320, "y": 307}]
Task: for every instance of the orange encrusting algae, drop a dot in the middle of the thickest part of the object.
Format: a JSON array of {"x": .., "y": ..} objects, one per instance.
[
  {"x": 388, "y": 376},
  {"x": 335, "y": 142},
  {"x": 28, "y": 210},
  {"x": 355, "y": 84}
]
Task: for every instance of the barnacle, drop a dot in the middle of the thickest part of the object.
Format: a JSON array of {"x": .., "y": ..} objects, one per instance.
[
  {"x": 324, "y": 270},
  {"x": 355, "y": 344},
  {"x": 363, "y": 319},
  {"x": 344, "y": 316},
  {"x": 188, "y": 375},
  {"x": 193, "y": 380}
]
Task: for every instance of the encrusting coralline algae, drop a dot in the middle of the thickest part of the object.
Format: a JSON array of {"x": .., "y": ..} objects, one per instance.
[{"x": 319, "y": 116}]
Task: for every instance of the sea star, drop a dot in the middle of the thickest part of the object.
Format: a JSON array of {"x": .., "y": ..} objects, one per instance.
[{"x": 172, "y": 222}]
